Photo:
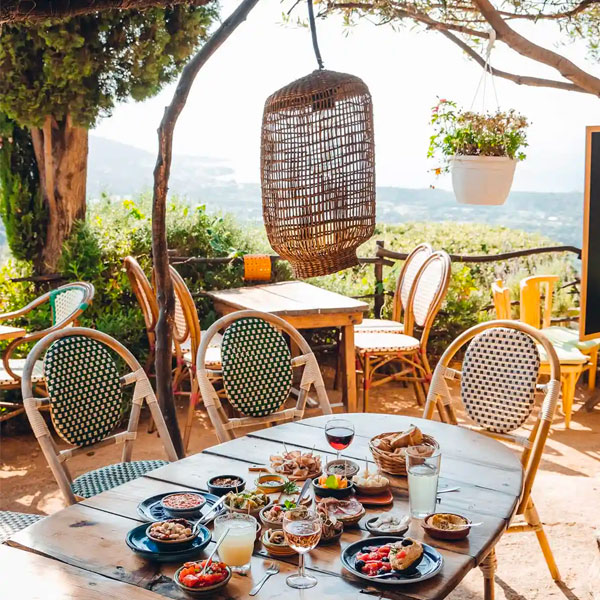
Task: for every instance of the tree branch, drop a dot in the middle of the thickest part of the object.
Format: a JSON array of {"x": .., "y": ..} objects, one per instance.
[
  {"x": 523, "y": 46},
  {"x": 12, "y": 11},
  {"x": 164, "y": 285},
  {"x": 518, "y": 79}
]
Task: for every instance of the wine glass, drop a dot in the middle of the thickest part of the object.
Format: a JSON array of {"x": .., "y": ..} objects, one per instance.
[
  {"x": 339, "y": 434},
  {"x": 302, "y": 532}
]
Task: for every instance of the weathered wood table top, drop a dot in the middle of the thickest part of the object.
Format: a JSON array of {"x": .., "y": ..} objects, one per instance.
[
  {"x": 85, "y": 544},
  {"x": 10, "y": 333}
]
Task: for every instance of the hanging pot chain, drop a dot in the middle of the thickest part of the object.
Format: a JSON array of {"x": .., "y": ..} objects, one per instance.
[{"x": 313, "y": 33}]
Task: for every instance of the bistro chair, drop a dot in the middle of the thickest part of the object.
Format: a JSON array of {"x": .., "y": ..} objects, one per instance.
[
  {"x": 414, "y": 261},
  {"x": 497, "y": 389},
  {"x": 186, "y": 339},
  {"x": 374, "y": 350},
  {"x": 12, "y": 522},
  {"x": 574, "y": 356},
  {"x": 67, "y": 303},
  {"x": 147, "y": 300},
  {"x": 85, "y": 398},
  {"x": 257, "y": 369}
]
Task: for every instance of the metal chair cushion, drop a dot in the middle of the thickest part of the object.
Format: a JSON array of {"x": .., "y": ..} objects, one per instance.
[
  {"x": 499, "y": 375},
  {"x": 84, "y": 389},
  {"x": 11, "y": 522},
  {"x": 106, "y": 478},
  {"x": 65, "y": 302},
  {"x": 257, "y": 371},
  {"x": 379, "y": 326}
]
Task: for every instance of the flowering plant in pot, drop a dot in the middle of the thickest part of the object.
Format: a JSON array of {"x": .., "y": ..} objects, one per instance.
[{"x": 481, "y": 150}]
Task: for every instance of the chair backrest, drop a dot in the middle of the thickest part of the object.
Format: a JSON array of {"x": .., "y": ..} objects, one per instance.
[
  {"x": 69, "y": 301},
  {"x": 501, "y": 298},
  {"x": 145, "y": 296},
  {"x": 414, "y": 261},
  {"x": 532, "y": 311},
  {"x": 85, "y": 397},
  {"x": 427, "y": 294},
  {"x": 497, "y": 386},
  {"x": 257, "y": 372}
]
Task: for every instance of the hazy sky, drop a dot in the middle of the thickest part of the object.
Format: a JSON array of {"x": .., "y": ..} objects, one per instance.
[{"x": 405, "y": 71}]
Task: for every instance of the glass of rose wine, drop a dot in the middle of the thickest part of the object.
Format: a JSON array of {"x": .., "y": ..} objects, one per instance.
[
  {"x": 339, "y": 434},
  {"x": 302, "y": 532}
]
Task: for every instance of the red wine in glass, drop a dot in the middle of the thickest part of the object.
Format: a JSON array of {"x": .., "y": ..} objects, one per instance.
[{"x": 339, "y": 434}]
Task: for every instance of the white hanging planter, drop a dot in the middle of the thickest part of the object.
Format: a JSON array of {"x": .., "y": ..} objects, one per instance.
[{"x": 482, "y": 179}]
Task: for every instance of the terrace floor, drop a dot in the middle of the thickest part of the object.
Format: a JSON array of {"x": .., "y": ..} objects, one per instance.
[{"x": 567, "y": 494}]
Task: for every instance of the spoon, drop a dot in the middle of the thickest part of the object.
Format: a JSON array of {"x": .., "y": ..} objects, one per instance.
[{"x": 209, "y": 559}]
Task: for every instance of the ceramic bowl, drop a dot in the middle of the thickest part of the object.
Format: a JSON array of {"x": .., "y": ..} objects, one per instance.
[
  {"x": 266, "y": 522},
  {"x": 201, "y": 592},
  {"x": 276, "y": 549},
  {"x": 343, "y": 466},
  {"x": 221, "y": 490},
  {"x": 371, "y": 490},
  {"x": 270, "y": 483},
  {"x": 374, "y": 531},
  {"x": 255, "y": 512},
  {"x": 447, "y": 534},
  {"x": 174, "y": 544},
  {"x": 183, "y": 512},
  {"x": 325, "y": 492}
]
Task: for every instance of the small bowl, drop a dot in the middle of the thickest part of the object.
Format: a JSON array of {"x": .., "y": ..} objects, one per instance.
[
  {"x": 174, "y": 545},
  {"x": 336, "y": 467},
  {"x": 277, "y": 483},
  {"x": 200, "y": 592},
  {"x": 221, "y": 490},
  {"x": 266, "y": 522},
  {"x": 324, "y": 492},
  {"x": 374, "y": 531},
  {"x": 255, "y": 512},
  {"x": 331, "y": 540},
  {"x": 183, "y": 512},
  {"x": 276, "y": 549},
  {"x": 447, "y": 534},
  {"x": 371, "y": 490}
]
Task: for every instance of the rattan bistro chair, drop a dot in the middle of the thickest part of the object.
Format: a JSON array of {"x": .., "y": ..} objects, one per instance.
[
  {"x": 257, "y": 372},
  {"x": 374, "y": 350},
  {"x": 12, "y": 522},
  {"x": 67, "y": 303},
  {"x": 497, "y": 389},
  {"x": 85, "y": 400}
]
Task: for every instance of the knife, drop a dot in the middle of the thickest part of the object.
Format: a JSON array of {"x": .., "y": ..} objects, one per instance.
[{"x": 304, "y": 490}]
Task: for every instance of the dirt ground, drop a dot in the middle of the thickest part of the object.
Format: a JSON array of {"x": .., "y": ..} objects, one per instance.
[{"x": 566, "y": 491}]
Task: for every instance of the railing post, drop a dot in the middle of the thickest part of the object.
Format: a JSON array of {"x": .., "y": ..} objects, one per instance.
[{"x": 379, "y": 296}]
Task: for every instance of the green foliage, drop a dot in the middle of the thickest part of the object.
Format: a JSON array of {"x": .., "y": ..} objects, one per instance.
[
  {"x": 472, "y": 134},
  {"x": 82, "y": 66},
  {"x": 21, "y": 203}
]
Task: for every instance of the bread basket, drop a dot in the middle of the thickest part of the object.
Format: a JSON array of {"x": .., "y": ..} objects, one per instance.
[{"x": 395, "y": 464}]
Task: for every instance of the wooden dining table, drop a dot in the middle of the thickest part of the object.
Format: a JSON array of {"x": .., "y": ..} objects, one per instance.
[
  {"x": 10, "y": 333},
  {"x": 304, "y": 306},
  {"x": 80, "y": 552}
]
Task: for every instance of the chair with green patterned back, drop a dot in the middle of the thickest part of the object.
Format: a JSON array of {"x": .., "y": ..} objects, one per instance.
[
  {"x": 66, "y": 305},
  {"x": 86, "y": 401},
  {"x": 257, "y": 372}
]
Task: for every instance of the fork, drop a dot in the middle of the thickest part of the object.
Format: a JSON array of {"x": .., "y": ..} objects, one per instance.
[{"x": 272, "y": 569}]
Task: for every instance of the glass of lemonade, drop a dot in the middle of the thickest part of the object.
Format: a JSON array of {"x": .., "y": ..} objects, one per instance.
[
  {"x": 423, "y": 473},
  {"x": 302, "y": 531},
  {"x": 236, "y": 549}
]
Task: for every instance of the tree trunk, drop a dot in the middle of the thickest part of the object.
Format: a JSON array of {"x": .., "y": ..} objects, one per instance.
[{"x": 61, "y": 150}]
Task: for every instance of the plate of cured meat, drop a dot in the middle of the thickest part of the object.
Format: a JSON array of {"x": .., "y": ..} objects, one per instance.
[
  {"x": 349, "y": 512},
  {"x": 297, "y": 465}
]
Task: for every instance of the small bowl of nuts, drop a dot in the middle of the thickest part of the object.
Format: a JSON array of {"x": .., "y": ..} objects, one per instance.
[{"x": 172, "y": 534}]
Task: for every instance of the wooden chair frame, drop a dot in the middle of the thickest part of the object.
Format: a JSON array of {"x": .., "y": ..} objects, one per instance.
[
  {"x": 142, "y": 393},
  {"x": 311, "y": 376},
  {"x": 88, "y": 297},
  {"x": 415, "y": 364},
  {"x": 533, "y": 445}
]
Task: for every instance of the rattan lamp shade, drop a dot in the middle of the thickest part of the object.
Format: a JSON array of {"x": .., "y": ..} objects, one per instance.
[{"x": 318, "y": 171}]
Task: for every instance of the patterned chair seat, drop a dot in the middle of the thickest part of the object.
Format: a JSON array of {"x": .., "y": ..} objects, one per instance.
[
  {"x": 379, "y": 326},
  {"x": 12, "y": 522},
  {"x": 567, "y": 345},
  {"x": 17, "y": 365},
  {"x": 385, "y": 342},
  {"x": 213, "y": 354},
  {"x": 106, "y": 478}
]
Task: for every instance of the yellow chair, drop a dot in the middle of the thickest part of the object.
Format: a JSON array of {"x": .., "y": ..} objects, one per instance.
[{"x": 573, "y": 361}]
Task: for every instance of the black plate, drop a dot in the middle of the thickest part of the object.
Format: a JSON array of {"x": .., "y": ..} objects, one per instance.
[
  {"x": 430, "y": 565},
  {"x": 141, "y": 544},
  {"x": 150, "y": 509}
]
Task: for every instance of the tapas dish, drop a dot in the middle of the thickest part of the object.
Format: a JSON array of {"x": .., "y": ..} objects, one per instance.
[
  {"x": 447, "y": 526},
  {"x": 248, "y": 502},
  {"x": 274, "y": 542},
  {"x": 223, "y": 484},
  {"x": 183, "y": 503},
  {"x": 173, "y": 533},
  {"x": 194, "y": 582},
  {"x": 151, "y": 509},
  {"x": 392, "y": 560},
  {"x": 349, "y": 512},
  {"x": 331, "y": 527},
  {"x": 297, "y": 465},
  {"x": 272, "y": 515},
  {"x": 388, "y": 524},
  {"x": 270, "y": 484},
  {"x": 332, "y": 486},
  {"x": 343, "y": 466},
  {"x": 370, "y": 484}
]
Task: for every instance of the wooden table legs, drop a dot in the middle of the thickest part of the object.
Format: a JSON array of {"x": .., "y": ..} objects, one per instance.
[
  {"x": 349, "y": 368},
  {"x": 488, "y": 568}
]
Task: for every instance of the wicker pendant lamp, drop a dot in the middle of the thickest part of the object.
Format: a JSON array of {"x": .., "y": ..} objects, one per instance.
[{"x": 318, "y": 169}]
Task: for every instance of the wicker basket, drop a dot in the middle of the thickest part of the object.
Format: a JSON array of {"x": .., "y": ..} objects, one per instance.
[{"x": 395, "y": 464}]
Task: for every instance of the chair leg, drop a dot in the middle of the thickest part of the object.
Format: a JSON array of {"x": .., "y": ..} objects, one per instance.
[
  {"x": 190, "y": 415},
  {"x": 366, "y": 382},
  {"x": 568, "y": 383},
  {"x": 533, "y": 519},
  {"x": 592, "y": 369},
  {"x": 488, "y": 569}
]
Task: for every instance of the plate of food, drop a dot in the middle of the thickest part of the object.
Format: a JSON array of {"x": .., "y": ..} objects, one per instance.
[
  {"x": 447, "y": 526},
  {"x": 331, "y": 527},
  {"x": 332, "y": 486},
  {"x": 172, "y": 534},
  {"x": 349, "y": 512},
  {"x": 152, "y": 509},
  {"x": 343, "y": 466},
  {"x": 274, "y": 542},
  {"x": 392, "y": 560},
  {"x": 219, "y": 485},
  {"x": 189, "y": 578},
  {"x": 370, "y": 483},
  {"x": 272, "y": 515},
  {"x": 297, "y": 465},
  {"x": 249, "y": 502},
  {"x": 388, "y": 524}
]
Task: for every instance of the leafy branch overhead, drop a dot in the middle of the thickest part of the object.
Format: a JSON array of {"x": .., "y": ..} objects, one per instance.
[{"x": 468, "y": 23}]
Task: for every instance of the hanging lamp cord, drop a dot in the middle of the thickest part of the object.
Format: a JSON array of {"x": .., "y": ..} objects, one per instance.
[{"x": 313, "y": 33}]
